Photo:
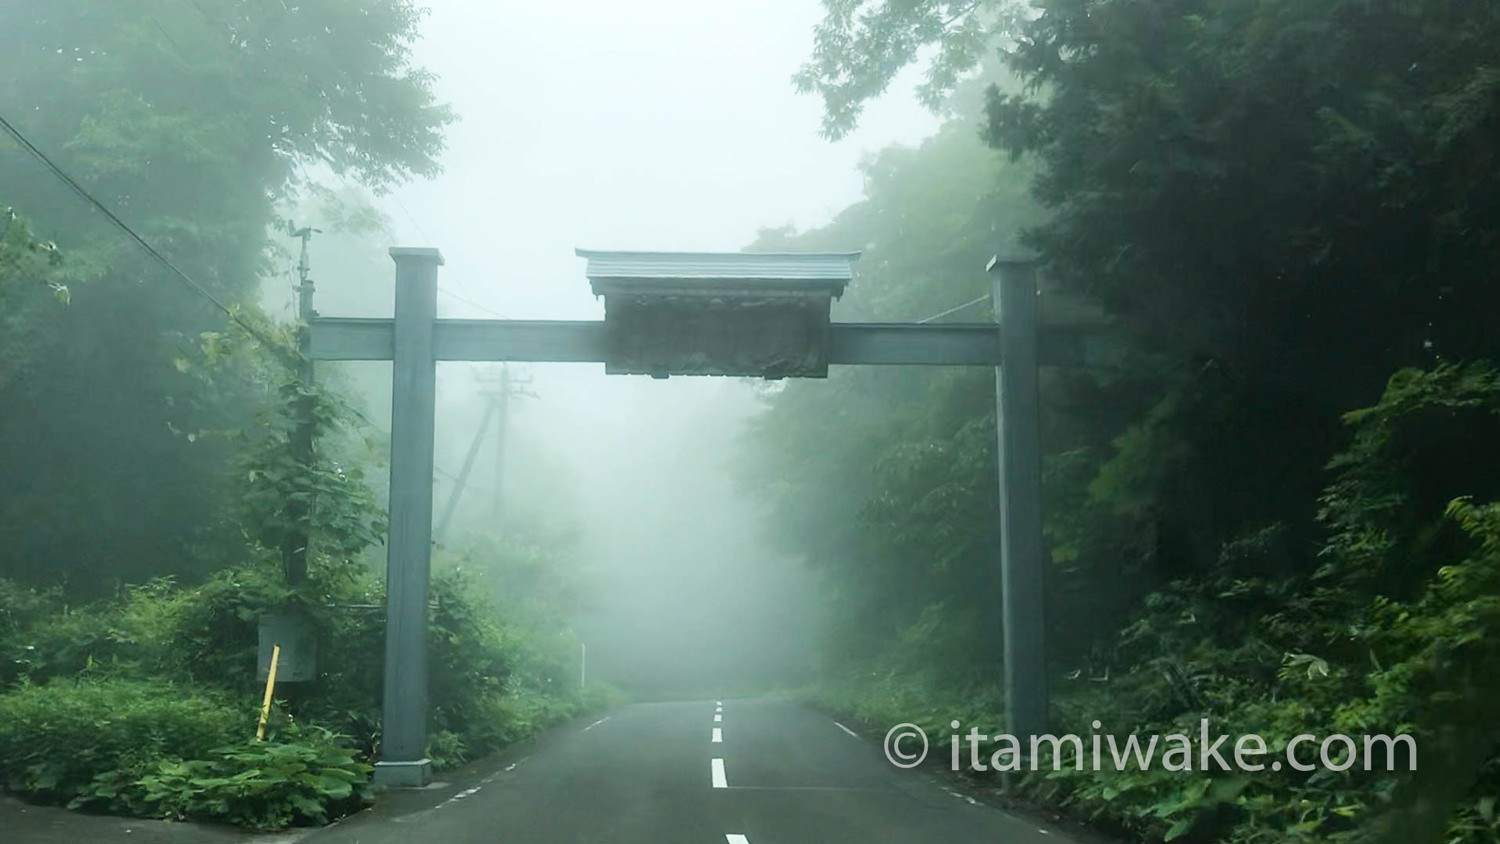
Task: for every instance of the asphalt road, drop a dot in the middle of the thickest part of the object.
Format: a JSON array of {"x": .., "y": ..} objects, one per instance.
[{"x": 778, "y": 774}]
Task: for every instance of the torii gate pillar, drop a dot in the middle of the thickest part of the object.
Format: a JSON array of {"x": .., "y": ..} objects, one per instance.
[
  {"x": 403, "y": 739},
  {"x": 1022, "y": 551}
]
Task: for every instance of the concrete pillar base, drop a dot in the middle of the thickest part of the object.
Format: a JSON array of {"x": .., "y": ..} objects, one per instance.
[{"x": 403, "y": 774}]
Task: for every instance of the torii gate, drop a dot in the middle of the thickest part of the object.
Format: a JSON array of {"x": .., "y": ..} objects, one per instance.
[{"x": 752, "y": 314}]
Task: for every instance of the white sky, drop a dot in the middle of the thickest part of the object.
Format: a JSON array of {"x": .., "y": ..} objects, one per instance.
[{"x": 662, "y": 124}]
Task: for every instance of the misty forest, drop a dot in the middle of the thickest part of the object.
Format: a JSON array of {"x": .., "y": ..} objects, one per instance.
[{"x": 1270, "y": 478}]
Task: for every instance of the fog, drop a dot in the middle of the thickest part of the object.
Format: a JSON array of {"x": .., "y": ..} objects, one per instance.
[
  {"x": 666, "y": 126},
  {"x": 1218, "y": 455}
]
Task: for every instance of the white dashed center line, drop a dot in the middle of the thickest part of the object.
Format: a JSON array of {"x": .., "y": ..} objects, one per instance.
[
  {"x": 718, "y": 719},
  {"x": 717, "y": 766},
  {"x": 718, "y": 736},
  {"x": 736, "y": 839}
]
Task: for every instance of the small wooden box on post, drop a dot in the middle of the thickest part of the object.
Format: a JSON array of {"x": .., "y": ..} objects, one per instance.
[{"x": 746, "y": 314}]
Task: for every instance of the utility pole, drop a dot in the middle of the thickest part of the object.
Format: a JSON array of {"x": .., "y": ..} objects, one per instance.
[
  {"x": 299, "y": 508},
  {"x": 502, "y": 424},
  {"x": 499, "y": 410},
  {"x": 504, "y": 387},
  {"x": 463, "y": 474}
]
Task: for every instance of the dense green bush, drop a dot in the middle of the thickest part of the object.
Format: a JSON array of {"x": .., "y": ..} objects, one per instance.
[
  {"x": 303, "y": 776},
  {"x": 55, "y": 739},
  {"x": 82, "y": 726},
  {"x": 1391, "y": 635},
  {"x": 493, "y": 683},
  {"x": 142, "y": 703}
]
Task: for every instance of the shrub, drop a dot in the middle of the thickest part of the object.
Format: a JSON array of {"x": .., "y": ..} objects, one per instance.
[
  {"x": 56, "y": 739},
  {"x": 20, "y": 610},
  {"x": 304, "y": 776}
]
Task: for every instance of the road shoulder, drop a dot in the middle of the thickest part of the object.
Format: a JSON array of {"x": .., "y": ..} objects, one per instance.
[
  {"x": 29, "y": 823},
  {"x": 990, "y": 792}
]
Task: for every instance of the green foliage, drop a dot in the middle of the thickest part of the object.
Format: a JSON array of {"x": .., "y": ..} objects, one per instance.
[
  {"x": 883, "y": 479},
  {"x": 304, "y": 776},
  {"x": 501, "y": 671},
  {"x": 497, "y": 674},
  {"x": 82, "y": 727},
  {"x": 162, "y": 450},
  {"x": 861, "y": 45},
  {"x": 1278, "y": 204},
  {"x": 27, "y": 266},
  {"x": 338, "y": 507},
  {"x": 55, "y": 739},
  {"x": 192, "y": 123},
  {"x": 1391, "y": 635}
]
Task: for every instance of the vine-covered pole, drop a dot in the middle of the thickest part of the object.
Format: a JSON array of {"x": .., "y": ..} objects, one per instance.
[{"x": 298, "y": 537}]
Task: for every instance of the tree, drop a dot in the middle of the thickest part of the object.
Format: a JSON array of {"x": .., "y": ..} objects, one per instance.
[
  {"x": 883, "y": 480},
  {"x": 191, "y": 122},
  {"x": 861, "y": 46},
  {"x": 1282, "y": 203}
]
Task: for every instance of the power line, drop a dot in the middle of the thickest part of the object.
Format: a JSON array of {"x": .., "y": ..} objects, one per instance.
[
  {"x": 465, "y": 297},
  {"x": 456, "y": 280},
  {"x": 409, "y": 217},
  {"x": 471, "y": 303},
  {"x": 968, "y": 304},
  {"x": 129, "y": 232}
]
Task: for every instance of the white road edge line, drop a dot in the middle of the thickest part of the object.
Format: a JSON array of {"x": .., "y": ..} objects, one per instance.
[
  {"x": 964, "y": 797},
  {"x": 718, "y": 735},
  {"x": 846, "y": 729},
  {"x": 459, "y": 796},
  {"x": 596, "y": 723},
  {"x": 717, "y": 766},
  {"x": 731, "y": 838},
  {"x": 718, "y": 719}
]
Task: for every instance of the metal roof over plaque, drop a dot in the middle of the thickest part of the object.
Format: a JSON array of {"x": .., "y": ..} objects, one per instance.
[{"x": 829, "y": 271}]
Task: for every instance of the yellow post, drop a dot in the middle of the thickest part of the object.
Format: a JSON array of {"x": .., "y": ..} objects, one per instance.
[{"x": 265, "y": 707}]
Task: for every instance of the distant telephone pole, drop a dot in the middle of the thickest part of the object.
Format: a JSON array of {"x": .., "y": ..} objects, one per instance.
[
  {"x": 501, "y": 397},
  {"x": 504, "y": 385}
]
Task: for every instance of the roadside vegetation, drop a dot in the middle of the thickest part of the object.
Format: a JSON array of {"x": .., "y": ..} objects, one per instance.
[
  {"x": 1272, "y": 488},
  {"x": 146, "y": 702},
  {"x": 151, "y": 482}
]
